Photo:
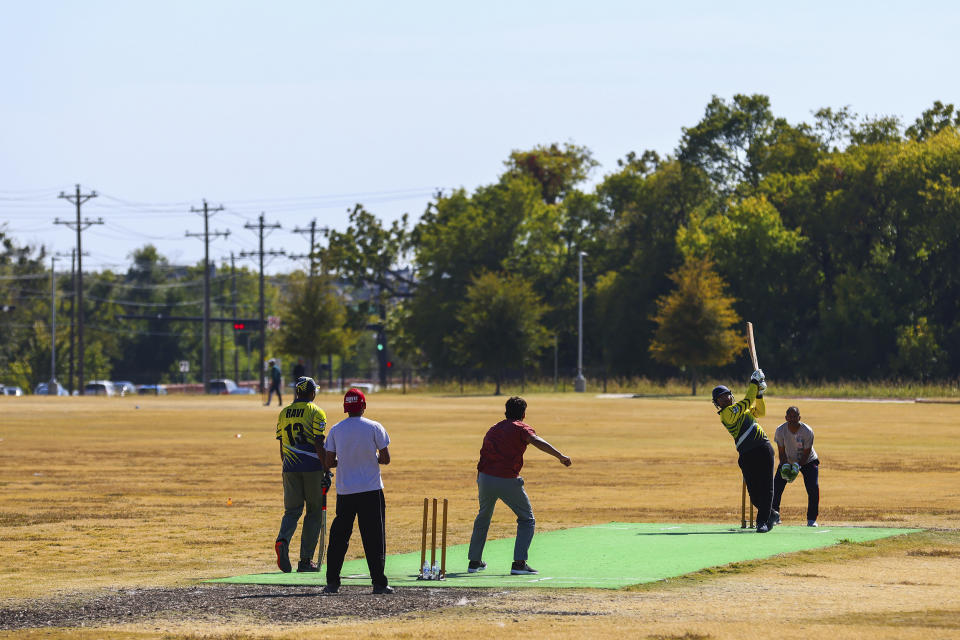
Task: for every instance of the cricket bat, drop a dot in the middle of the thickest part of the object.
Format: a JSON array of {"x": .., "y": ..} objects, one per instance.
[{"x": 743, "y": 491}]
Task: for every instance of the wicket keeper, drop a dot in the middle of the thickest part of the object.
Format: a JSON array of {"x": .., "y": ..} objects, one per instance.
[
  {"x": 301, "y": 429},
  {"x": 795, "y": 443},
  {"x": 756, "y": 452}
]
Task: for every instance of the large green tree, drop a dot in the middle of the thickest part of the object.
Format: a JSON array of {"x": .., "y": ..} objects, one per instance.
[
  {"x": 695, "y": 322},
  {"x": 314, "y": 319},
  {"x": 500, "y": 320}
]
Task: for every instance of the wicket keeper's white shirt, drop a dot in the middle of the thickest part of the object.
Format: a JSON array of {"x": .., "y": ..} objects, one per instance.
[
  {"x": 356, "y": 441},
  {"x": 794, "y": 443}
]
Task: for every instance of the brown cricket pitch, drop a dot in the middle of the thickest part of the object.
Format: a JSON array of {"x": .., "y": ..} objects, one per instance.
[{"x": 97, "y": 495}]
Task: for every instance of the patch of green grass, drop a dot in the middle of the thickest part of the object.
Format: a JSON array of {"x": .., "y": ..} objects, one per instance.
[{"x": 911, "y": 544}]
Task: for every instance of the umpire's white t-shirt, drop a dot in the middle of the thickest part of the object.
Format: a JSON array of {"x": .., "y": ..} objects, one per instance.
[{"x": 356, "y": 441}]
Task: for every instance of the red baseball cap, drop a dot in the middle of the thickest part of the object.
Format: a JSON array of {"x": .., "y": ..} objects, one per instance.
[{"x": 354, "y": 401}]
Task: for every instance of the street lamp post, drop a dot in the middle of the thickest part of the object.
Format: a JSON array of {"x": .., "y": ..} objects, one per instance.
[{"x": 580, "y": 384}]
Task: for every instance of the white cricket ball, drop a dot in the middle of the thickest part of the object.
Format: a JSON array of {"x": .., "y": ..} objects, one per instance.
[{"x": 238, "y": 435}]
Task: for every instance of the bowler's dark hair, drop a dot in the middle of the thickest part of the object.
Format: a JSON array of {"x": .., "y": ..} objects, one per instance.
[
  {"x": 516, "y": 408},
  {"x": 795, "y": 410}
]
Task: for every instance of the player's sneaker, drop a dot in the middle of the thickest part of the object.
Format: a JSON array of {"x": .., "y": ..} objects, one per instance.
[
  {"x": 774, "y": 519},
  {"x": 812, "y": 523},
  {"x": 307, "y": 566},
  {"x": 476, "y": 565},
  {"x": 329, "y": 588},
  {"x": 283, "y": 555},
  {"x": 522, "y": 569},
  {"x": 382, "y": 591},
  {"x": 762, "y": 527}
]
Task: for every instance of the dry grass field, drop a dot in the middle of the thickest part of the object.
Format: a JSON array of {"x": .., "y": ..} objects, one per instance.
[{"x": 105, "y": 496}]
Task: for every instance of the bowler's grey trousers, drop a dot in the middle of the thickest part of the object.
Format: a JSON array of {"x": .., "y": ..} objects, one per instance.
[
  {"x": 299, "y": 488},
  {"x": 511, "y": 491}
]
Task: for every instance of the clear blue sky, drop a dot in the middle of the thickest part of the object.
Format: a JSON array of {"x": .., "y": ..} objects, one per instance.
[{"x": 299, "y": 109}]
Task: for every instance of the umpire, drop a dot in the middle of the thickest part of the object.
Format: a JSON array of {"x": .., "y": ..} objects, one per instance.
[
  {"x": 357, "y": 446},
  {"x": 756, "y": 452}
]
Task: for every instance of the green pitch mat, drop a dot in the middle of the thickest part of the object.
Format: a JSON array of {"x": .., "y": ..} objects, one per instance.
[{"x": 607, "y": 556}]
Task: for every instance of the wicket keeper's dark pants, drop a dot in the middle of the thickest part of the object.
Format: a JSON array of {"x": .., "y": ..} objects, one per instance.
[
  {"x": 369, "y": 509},
  {"x": 811, "y": 481},
  {"x": 757, "y": 467}
]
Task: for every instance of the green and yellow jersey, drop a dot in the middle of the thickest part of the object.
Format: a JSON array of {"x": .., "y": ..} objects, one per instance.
[
  {"x": 740, "y": 420},
  {"x": 301, "y": 429}
]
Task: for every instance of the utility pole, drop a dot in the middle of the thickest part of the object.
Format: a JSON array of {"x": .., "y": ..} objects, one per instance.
[
  {"x": 53, "y": 325},
  {"x": 223, "y": 373},
  {"x": 79, "y": 226},
  {"x": 312, "y": 230},
  {"x": 236, "y": 357},
  {"x": 206, "y": 211},
  {"x": 261, "y": 228},
  {"x": 73, "y": 311}
]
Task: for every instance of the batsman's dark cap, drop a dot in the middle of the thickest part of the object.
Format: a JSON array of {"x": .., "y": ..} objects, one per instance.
[
  {"x": 720, "y": 390},
  {"x": 305, "y": 386}
]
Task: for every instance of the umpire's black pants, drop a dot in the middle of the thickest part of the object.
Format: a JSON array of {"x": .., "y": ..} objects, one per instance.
[
  {"x": 757, "y": 467},
  {"x": 370, "y": 510}
]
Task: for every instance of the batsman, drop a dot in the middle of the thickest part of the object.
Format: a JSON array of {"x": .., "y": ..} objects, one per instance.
[
  {"x": 301, "y": 429},
  {"x": 756, "y": 453}
]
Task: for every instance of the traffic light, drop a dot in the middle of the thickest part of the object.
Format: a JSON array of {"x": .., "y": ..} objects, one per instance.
[
  {"x": 237, "y": 326},
  {"x": 389, "y": 364},
  {"x": 379, "y": 346}
]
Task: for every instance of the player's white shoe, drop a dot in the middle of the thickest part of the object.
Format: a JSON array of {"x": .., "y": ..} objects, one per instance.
[{"x": 812, "y": 523}]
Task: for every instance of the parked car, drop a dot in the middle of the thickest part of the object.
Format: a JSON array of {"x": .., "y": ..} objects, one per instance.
[
  {"x": 44, "y": 389},
  {"x": 225, "y": 386},
  {"x": 99, "y": 388},
  {"x": 12, "y": 391},
  {"x": 124, "y": 387},
  {"x": 152, "y": 390}
]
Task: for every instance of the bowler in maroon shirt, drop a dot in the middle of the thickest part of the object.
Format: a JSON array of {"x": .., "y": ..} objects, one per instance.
[{"x": 498, "y": 478}]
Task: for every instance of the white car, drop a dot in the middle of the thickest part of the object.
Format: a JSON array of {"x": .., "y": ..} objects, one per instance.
[
  {"x": 99, "y": 388},
  {"x": 152, "y": 390},
  {"x": 44, "y": 389},
  {"x": 124, "y": 387},
  {"x": 225, "y": 386},
  {"x": 12, "y": 391}
]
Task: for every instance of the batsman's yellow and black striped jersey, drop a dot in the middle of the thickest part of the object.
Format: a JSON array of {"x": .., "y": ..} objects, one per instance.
[
  {"x": 740, "y": 420},
  {"x": 301, "y": 428}
]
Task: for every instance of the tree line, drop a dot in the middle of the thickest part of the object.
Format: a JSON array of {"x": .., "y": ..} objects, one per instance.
[{"x": 837, "y": 237}]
